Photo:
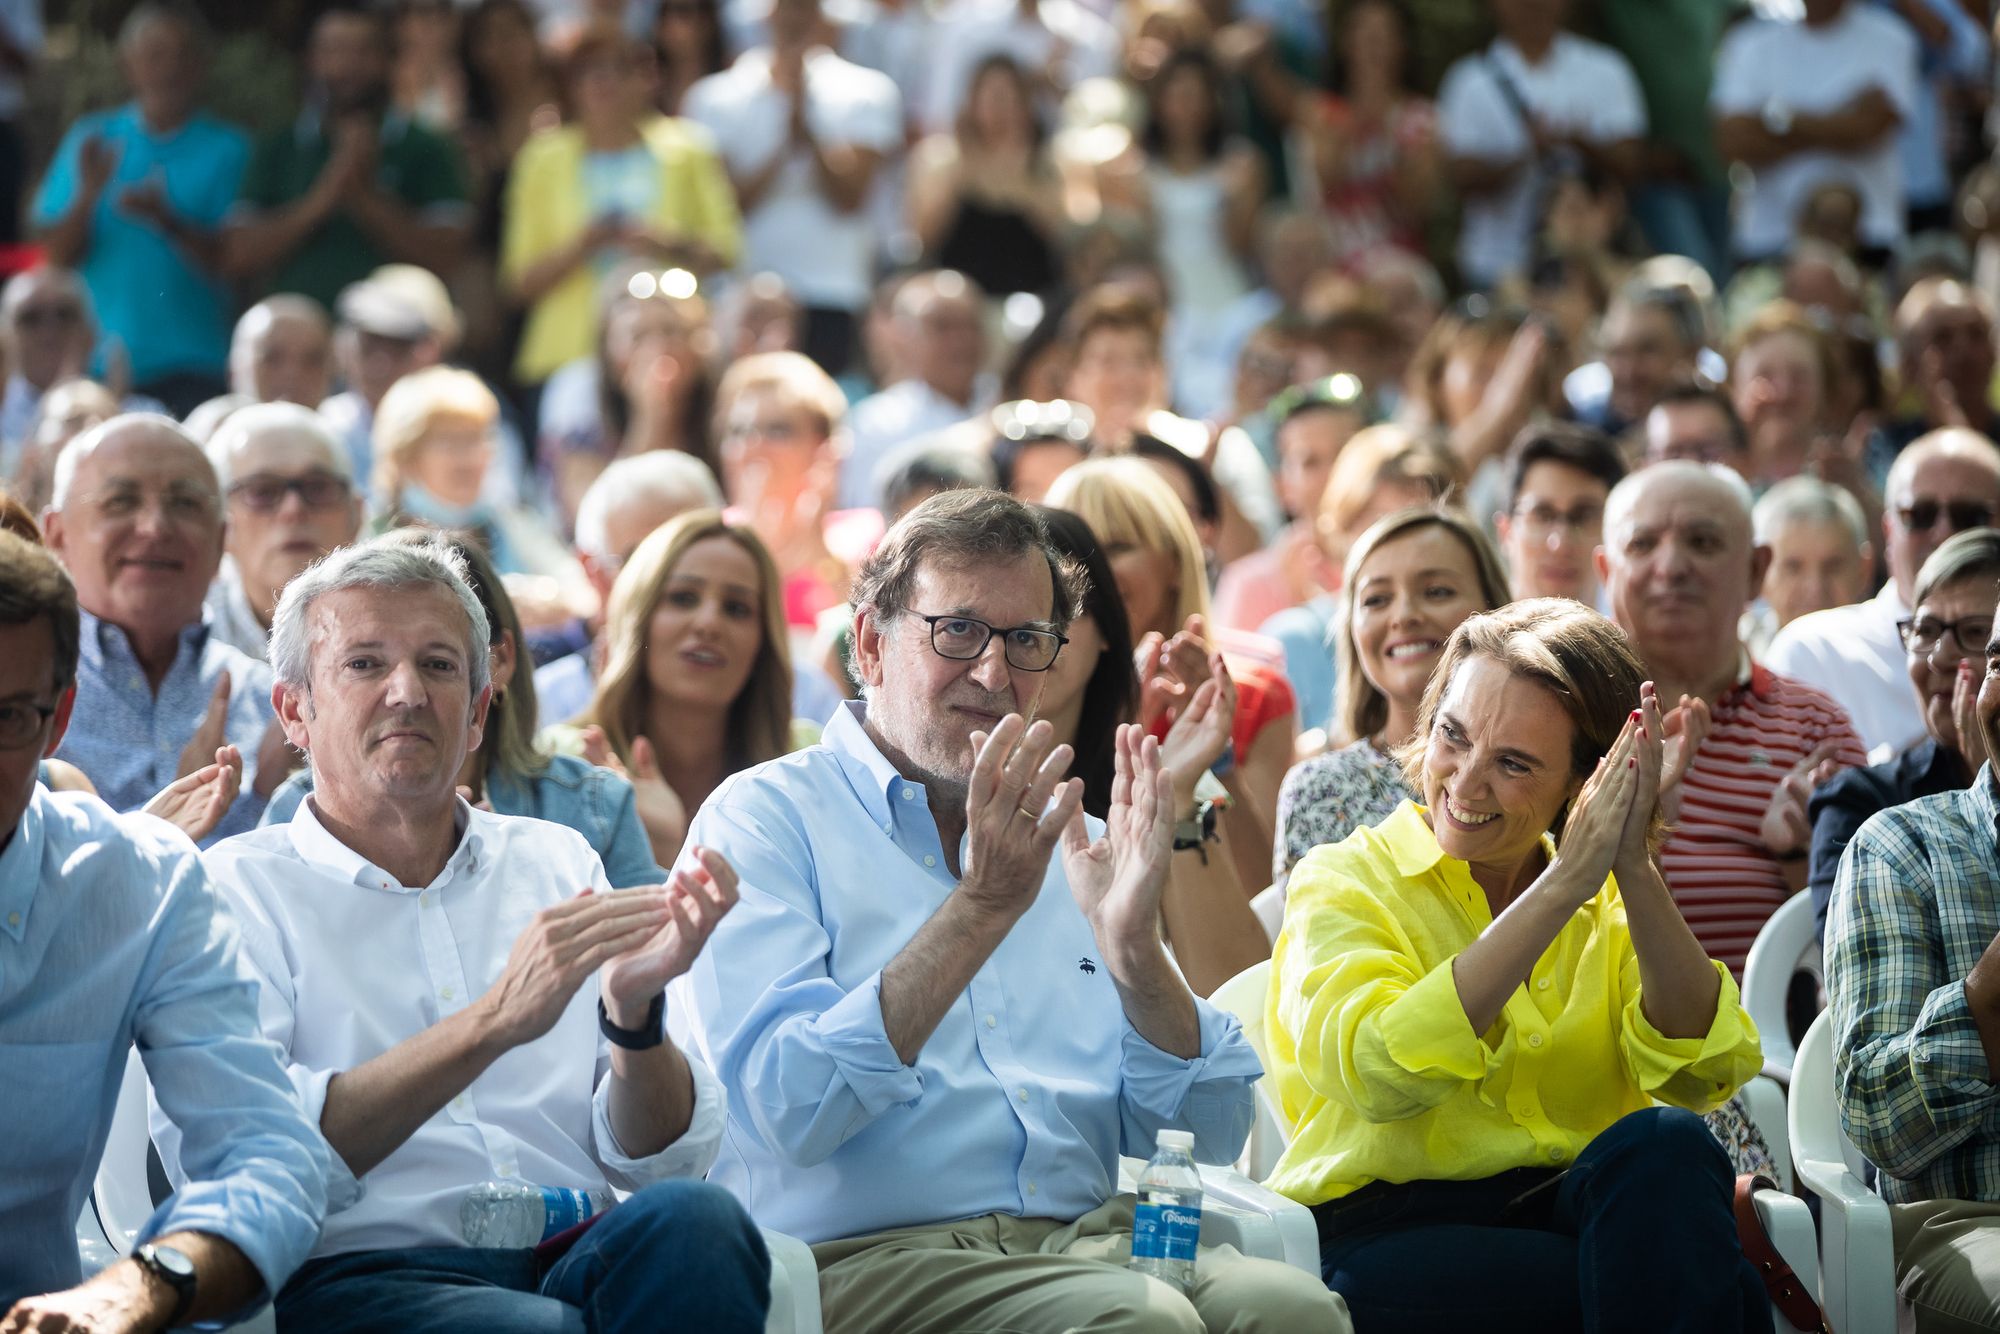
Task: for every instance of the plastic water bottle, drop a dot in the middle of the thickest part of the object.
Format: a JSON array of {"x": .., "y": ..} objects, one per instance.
[
  {"x": 511, "y": 1215},
  {"x": 1166, "y": 1227}
]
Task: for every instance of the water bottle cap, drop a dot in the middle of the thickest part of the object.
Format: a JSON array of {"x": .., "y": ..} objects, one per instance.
[{"x": 1177, "y": 1139}]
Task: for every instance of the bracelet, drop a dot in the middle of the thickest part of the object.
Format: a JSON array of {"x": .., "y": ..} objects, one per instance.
[{"x": 644, "y": 1038}]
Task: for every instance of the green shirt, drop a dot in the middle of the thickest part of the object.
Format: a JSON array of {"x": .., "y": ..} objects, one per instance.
[
  {"x": 1671, "y": 46},
  {"x": 417, "y": 167}
]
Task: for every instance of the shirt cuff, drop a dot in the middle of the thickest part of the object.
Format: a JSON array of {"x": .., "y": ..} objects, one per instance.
[
  {"x": 1722, "y": 1058},
  {"x": 274, "y": 1237},
  {"x": 690, "y": 1155},
  {"x": 343, "y": 1189},
  {"x": 1159, "y": 1082},
  {"x": 1426, "y": 1030},
  {"x": 852, "y": 1035},
  {"x": 1946, "y": 1054}
]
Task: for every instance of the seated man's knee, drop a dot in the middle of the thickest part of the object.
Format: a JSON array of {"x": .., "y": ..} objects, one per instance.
[
  {"x": 1115, "y": 1300},
  {"x": 1250, "y": 1296},
  {"x": 693, "y": 1220}
]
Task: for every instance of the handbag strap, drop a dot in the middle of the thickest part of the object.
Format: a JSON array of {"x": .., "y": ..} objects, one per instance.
[{"x": 1780, "y": 1280}]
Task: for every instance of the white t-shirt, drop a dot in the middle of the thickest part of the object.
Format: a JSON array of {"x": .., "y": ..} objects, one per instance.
[
  {"x": 824, "y": 255},
  {"x": 1855, "y": 654},
  {"x": 972, "y": 30},
  {"x": 1579, "y": 88},
  {"x": 1816, "y": 70}
]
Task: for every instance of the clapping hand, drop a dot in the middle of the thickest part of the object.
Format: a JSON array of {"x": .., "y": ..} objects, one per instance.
[
  {"x": 661, "y": 811},
  {"x": 195, "y": 802},
  {"x": 1593, "y": 835},
  {"x": 1786, "y": 829},
  {"x": 1965, "y": 717},
  {"x": 1649, "y": 779},
  {"x": 210, "y": 734},
  {"x": 1200, "y": 734},
  {"x": 1118, "y": 879},
  {"x": 1170, "y": 670},
  {"x": 697, "y": 898},
  {"x": 1685, "y": 727},
  {"x": 96, "y": 163},
  {"x": 1017, "y": 806},
  {"x": 560, "y": 948}
]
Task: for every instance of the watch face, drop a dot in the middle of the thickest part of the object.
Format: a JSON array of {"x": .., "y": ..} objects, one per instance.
[{"x": 172, "y": 1261}]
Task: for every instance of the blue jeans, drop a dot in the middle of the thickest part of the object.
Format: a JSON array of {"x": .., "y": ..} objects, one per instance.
[
  {"x": 1638, "y": 1235},
  {"x": 678, "y": 1256}
]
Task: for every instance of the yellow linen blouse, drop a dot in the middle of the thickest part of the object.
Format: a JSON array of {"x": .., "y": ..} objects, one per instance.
[{"x": 1376, "y": 1063}]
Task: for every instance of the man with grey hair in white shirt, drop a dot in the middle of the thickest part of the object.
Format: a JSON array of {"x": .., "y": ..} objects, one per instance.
[{"x": 426, "y": 968}]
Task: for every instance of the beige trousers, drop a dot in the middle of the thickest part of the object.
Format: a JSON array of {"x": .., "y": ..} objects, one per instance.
[
  {"x": 1948, "y": 1264},
  {"x": 1003, "y": 1275}
]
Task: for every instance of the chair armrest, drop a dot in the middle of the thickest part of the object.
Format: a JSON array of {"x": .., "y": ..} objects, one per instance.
[
  {"x": 1284, "y": 1228},
  {"x": 1859, "y": 1249},
  {"x": 1764, "y": 1102},
  {"x": 1788, "y": 1223},
  {"x": 794, "y": 1286}
]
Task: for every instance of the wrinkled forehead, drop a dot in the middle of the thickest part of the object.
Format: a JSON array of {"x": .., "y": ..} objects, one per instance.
[
  {"x": 1686, "y": 505},
  {"x": 1005, "y": 592},
  {"x": 402, "y": 616},
  {"x": 142, "y": 454},
  {"x": 282, "y": 450}
]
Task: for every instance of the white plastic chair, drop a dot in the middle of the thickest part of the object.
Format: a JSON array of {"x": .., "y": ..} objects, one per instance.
[
  {"x": 121, "y": 1200},
  {"x": 1269, "y": 905},
  {"x": 1783, "y": 949},
  {"x": 1244, "y": 996},
  {"x": 1236, "y": 1211},
  {"x": 1858, "y": 1291}
]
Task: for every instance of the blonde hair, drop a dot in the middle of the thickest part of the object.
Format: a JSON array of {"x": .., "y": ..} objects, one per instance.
[
  {"x": 1374, "y": 458},
  {"x": 790, "y": 376},
  {"x": 1359, "y": 708},
  {"x": 1128, "y": 504},
  {"x": 412, "y": 409},
  {"x": 760, "y": 718}
]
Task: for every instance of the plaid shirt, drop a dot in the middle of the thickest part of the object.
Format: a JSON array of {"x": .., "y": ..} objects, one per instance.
[{"x": 1914, "y": 906}]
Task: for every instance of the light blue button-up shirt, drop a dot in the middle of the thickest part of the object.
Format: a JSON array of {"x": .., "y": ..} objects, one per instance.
[
  {"x": 110, "y": 934},
  {"x": 128, "y": 739},
  {"x": 1020, "y": 1102}
]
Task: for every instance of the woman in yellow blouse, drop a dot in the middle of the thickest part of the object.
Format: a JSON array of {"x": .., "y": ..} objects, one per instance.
[
  {"x": 1471, "y": 1024},
  {"x": 619, "y": 182}
]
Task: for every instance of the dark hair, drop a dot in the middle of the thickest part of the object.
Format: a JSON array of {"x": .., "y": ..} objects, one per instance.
[
  {"x": 17, "y": 518},
  {"x": 1179, "y": 60},
  {"x": 1207, "y": 499},
  {"x": 614, "y": 410},
  {"x": 34, "y": 586},
  {"x": 1699, "y": 390},
  {"x": 928, "y": 466},
  {"x": 959, "y": 529},
  {"x": 1113, "y": 307},
  {"x": 1587, "y": 450},
  {"x": 1111, "y": 696},
  {"x": 714, "y": 53},
  {"x": 1340, "y": 14},
  {"x": 481, "y": 106},
  {"x": 1038, "y": 133}
]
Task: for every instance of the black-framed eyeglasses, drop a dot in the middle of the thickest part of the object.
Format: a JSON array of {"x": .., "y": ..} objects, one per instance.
[
  {"x": 961, "y": 638},
  {"x": 316, "y": 490},
  {"x": 1541, "y": 520},
  {"x": 21, "y": 723},
  {"x": 1923, "y": 516},
  {"x": 1342, "y": 390},
  {"x": 1924, "y": 633}
]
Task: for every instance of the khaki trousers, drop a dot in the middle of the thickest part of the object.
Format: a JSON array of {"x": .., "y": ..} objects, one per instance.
[
  {"x": 1003, "y": 1275},
  {"x": 1948, "y": 1264}
]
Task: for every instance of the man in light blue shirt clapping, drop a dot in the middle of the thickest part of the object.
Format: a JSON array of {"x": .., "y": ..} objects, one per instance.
[
  {"x": 921, "y": 1015},
  {"x": 110, "y": 935}
]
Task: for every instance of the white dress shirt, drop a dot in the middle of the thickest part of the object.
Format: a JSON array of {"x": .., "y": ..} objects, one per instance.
[
  {"x": 351, "y": 963},
  {"x": 1579, "y": 88},
  {"x": 881, "y": 422},
  {"x": 1855, "y": 655},
  {"x": 825, "y": 255}
]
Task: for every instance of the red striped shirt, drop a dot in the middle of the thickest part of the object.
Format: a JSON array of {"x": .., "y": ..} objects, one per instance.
[{"x": 1725, "y": 880}]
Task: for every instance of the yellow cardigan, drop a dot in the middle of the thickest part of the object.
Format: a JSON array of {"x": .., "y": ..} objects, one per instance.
[
  {"x": 1376, "y": 1062},
  {"x": 545, "y": 211}
]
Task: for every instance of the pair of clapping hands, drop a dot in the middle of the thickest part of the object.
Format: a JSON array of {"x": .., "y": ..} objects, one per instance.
[{"x": 1610, "y": 823}]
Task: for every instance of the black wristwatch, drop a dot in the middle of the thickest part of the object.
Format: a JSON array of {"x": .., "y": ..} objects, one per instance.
[
  {"x": 1190, "y": 834},
  {"x": 173, "y": 1268},
  {"x": 647, "y": 1036}
]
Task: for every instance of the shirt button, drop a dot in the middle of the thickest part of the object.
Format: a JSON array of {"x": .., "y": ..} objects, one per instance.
[
  {"x": 1031, "y": 1188},
  {"x": 1923, "y": 1048},
  {"x": 909, "y": 794},
  {"x": 1022, "y": 1094},
  {"x": 1555, "y": 1153},
  {"x": 887, "y": 827},
  {"x": 445, "y": 994},
  {"x": 1528, "y": 1110},
  {"x": 992, "y": 1022},
  {"x": 1534, "y": 1039},
  {"x": 1542, "y": 985},
  {"x": 929, "y": 860},
  {"x": 14, "y": 919}
]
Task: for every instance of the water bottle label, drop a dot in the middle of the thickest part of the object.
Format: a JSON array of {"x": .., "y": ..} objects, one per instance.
[
  {"x": 1165, "y": 1232},
  {"x": 562, "y": 1209}
]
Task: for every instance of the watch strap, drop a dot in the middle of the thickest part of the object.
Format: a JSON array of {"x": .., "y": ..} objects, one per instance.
[
  {"x": 150, "y": 1258},
  {"x": 649, "y": 1035}
]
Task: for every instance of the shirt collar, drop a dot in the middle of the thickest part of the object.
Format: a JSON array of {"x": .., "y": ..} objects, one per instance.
[
  {"x": 99, "y": 634},
  {"x": 866, "y": 767},
  {"x": 317, "y": 846},
  {"x": 1891, "y": 601},
  {"x": 20, "y": 867},
  {"x": 1413, "y": 847}
]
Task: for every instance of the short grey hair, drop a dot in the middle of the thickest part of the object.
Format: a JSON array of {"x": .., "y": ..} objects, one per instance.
[
  {"x": 1972, "y": 554},
  {"x": 22, "y": 284},
  {"x": 254, "y": 323},
  {"x": 257, "y": 420},
  {"x": 960, "y": 530},
  {"x": 664, "y": 476},
  {"x": 81, "y": 448},
  {"x": 386, "y": 565},
  {"x": 1808, "y": 500}
]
